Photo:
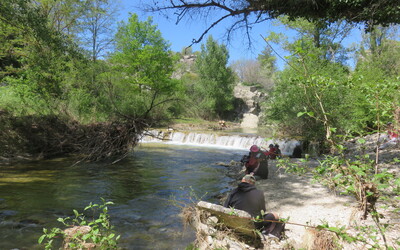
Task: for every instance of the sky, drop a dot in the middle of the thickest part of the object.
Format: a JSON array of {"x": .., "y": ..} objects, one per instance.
[{"x": 181, "y": 35}]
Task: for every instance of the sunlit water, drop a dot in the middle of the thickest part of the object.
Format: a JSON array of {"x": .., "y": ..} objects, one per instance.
[{"x": 34, "y": 195}]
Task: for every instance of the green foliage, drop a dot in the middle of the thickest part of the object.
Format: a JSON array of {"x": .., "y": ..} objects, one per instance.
[
  {"x": 356, "y": 177},
  {"x": 317, "y": 98},
  {"x": 368, "y": 235},
  {"x": 11, "y": 49},
  {"x": 312, "y": 84},
  {"x": 142, "y": 67},
  {"x": 96, "y": 25},
  {"x": 42, "y": 58},
  {"x": 49, "y": 74},
  {"x": 289, "y": 167},
  {"x": 378, "y": 53},
  {"x": 359, "y": 178},
  {"x": 267, "y": 61},
  {"x": 101, "y": 232},
  {"x": 44, "y": 73},
  {"x": 213, "y": 93}
]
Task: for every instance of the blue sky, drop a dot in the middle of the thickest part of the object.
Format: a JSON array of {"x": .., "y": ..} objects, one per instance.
[{"x": 181, "y": 35}]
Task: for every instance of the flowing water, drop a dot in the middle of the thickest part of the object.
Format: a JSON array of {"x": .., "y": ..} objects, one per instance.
[
  {"x": 238, "y": 140},
  {"x": 34, "y": 195}
]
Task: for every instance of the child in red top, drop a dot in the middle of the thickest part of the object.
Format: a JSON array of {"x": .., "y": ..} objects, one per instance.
[{"x": 271, "y": 154}]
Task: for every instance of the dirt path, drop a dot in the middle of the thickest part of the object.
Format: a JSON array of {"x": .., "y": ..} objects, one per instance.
[
  {"x": 249, "y": 121},
  {"x": 303, "y": 201},
  {"x": 296, "y": 198}
]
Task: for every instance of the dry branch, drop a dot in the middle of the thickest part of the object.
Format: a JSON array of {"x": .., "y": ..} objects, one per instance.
[{"x": 50, "y": 136}]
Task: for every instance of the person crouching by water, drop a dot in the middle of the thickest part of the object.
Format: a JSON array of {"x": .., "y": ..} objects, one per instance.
[
  {"x": 256, "y": 163},
  {"x": 248, "y": 198}
]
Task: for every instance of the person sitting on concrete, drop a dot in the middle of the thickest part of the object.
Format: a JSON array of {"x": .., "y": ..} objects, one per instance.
[{"x": 248, "y": 198}]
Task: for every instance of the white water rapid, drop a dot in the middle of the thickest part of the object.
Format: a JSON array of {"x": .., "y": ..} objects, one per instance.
[{"x": 237, "y": 141}]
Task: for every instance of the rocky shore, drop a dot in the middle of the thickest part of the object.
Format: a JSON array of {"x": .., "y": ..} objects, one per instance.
[{"x": 303, "y": 202}]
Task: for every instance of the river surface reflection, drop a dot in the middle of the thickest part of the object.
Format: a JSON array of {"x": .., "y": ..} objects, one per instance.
[{"x": 34, "y": 195}]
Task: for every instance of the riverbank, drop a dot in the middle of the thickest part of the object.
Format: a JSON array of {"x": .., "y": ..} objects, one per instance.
[{"x": 303, "y": 202}]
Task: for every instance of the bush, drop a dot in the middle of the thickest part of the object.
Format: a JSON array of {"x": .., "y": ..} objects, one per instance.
[{"x": 83, "y": 234}]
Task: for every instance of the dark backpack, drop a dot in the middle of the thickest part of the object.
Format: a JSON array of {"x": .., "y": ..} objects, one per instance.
[{"x": 276, "y": 229}]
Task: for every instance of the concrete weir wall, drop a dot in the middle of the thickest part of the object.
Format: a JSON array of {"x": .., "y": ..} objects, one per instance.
[
  {"x": 218, "y": 227},
  {"x": 227, "y": 228}
]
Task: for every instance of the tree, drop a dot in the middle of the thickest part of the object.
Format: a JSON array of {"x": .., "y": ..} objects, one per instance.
[
  {"x": 316, "y": 95},
  {"x": 249, "y": 12},
  {"x": 97, "y": 26},
  {"x": 215, "y": 87},
  {"x": 308, "y": 94},
  {"x": 379, "y": 50},
  {"x": 62, "y": 15},
  {"x": 248, "y": 71},
  {"x": 141, "y": 84},
  {"x": 268, "y": 69},
  {"x": 267, "y": 61},
  {"x": 254, "y": 72},
  {"x": 375, "y": 77},
  {"x": 11, "y": 50},
  {"x": 42, "y": 56}
]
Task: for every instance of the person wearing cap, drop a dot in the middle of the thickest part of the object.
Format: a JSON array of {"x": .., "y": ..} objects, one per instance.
[
  {"x": 256, "y": 163},
  {"x": 248, "y": 198}
]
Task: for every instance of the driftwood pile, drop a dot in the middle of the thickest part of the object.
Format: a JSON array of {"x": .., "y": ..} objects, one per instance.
[{"x": 50, "y": 136}]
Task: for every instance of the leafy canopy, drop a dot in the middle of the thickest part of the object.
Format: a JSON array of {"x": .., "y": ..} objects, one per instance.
[
  {"x": 216, "y": 79},
  {"x": 142, "y": 68}
]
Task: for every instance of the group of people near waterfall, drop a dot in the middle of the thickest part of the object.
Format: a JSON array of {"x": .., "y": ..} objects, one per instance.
[
  {"x": 256, "y": 162},
  {"x": 248, "y": 198}
]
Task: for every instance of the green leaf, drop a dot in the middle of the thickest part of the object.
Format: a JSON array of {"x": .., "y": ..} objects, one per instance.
[
  {"x": 300, "y": 114},
  {"x": 86, "y": 236},
  {"x": 41, "y": 238},
  {"x": 76, "y": 213},
  {"x": 361, "y": 141}
]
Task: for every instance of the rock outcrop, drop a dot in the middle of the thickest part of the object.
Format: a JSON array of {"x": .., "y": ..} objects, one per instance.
[{"x": 251, "y": 109}]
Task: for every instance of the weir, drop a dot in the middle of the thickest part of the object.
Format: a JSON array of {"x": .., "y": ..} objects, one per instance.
[{"x": 213, "y": 139}]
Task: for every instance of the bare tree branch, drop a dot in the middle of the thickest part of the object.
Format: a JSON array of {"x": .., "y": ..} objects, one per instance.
[{"x": 251, "y": 12}]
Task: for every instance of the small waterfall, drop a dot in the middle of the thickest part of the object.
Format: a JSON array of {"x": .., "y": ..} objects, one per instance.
[{"x": 235, "y": 141}]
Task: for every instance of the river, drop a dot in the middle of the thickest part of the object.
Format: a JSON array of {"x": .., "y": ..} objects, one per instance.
[{"x": 33, "y": 195}]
